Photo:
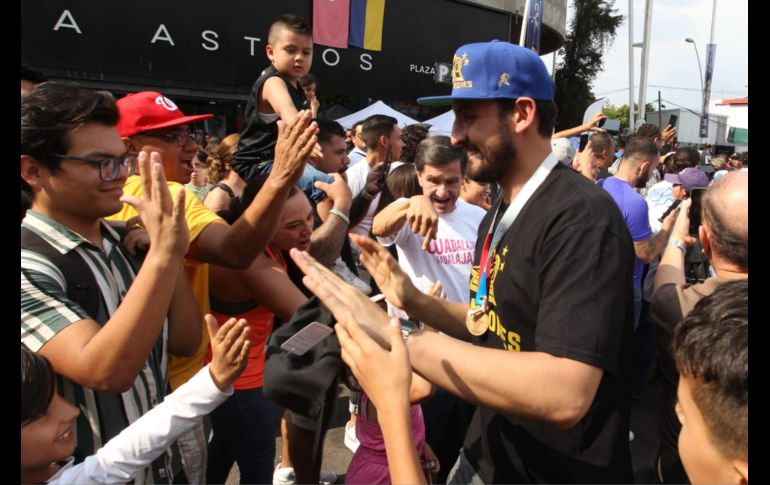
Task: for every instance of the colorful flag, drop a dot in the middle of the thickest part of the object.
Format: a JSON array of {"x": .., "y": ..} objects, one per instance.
[
  {"x": 330, "y": 22},
  {"x": 366, "y": 20},
  {"x": 711, "y": 50}
]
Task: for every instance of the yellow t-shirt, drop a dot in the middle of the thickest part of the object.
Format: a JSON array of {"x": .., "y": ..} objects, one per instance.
[{"x": 181, "y": 369}]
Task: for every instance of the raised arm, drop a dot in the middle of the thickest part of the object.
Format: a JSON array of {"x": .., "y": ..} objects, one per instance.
[
  {"x": 147, "y": 438},
  {"x": 389, "y": 391},
  {"x": 592, "y": 125},
  {"x": 236, "y": 246},
  {"x": 391, "y": 219},
  {"x": 327, "y": 239},
  {"x": 108, "y": 358},
  {"x": 671, "y": 267},
  {"x": 439, "y": 313}
]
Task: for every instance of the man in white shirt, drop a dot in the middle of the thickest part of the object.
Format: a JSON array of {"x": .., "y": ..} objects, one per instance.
[
  {"x": 367, "y": 178},
  {"x": 435, "y": 233},
  {"x": 358, "y": 152},
  {"x": 435, "y": 236}
]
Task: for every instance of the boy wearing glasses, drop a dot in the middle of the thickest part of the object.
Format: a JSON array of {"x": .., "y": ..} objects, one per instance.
[{"x": 83, "y": 305}]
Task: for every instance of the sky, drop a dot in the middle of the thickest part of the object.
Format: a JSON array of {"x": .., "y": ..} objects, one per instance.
[{"x": 673, "y": 67}]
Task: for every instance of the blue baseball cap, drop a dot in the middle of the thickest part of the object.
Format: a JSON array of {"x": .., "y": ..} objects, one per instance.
[{"x": 494, "y": 70}]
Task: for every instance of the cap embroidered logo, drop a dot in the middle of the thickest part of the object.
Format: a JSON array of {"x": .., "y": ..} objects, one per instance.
[
  {"x": 166, "y": 103},
  {"x": 458, "y": 80},
  {"x": 503, "y": 80}
]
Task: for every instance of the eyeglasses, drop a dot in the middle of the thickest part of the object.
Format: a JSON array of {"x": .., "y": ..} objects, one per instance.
[
  {"x": 109, "y": 168},
  {"x": 180, "y": 138}
]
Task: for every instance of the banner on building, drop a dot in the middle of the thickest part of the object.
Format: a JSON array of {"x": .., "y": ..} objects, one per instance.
[
  {"x": 534, "y": 24},
  {"x": 711, "y": 50}
]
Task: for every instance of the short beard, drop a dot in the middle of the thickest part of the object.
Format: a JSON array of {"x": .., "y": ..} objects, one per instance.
[
  {"x": 642, "y": 181},
  {"x": 491, "y": 167}
]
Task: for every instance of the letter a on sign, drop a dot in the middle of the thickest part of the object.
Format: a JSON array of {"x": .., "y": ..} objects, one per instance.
[
  {"x": 166, "y": 36},
  {"x": 67, "y": 16}
]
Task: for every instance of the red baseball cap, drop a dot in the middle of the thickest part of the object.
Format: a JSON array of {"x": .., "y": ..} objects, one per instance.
[{"x": 150, "y": 110}]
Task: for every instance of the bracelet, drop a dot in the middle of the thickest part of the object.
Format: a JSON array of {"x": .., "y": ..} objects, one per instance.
[
  {"x": 366, "y": 195},
  {"x": 677, "y": 243},
  {"x": 341, "y": 215}
]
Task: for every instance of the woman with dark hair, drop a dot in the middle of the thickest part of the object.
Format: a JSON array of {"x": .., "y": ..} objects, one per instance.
[
  {"x": 243, "y": 426},
  {"x": 400, "y": 182}
]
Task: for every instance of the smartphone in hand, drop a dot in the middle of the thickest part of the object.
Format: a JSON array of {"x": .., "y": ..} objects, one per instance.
[
  {"x": 583, "y": 142},
  {"x": 672, "y": 120},
  {"x": 673, "y": 206},
  {"x": 696, "y": 195}
]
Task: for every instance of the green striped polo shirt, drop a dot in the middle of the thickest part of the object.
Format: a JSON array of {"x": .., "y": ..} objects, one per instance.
[{"x": 46, "y": 310}]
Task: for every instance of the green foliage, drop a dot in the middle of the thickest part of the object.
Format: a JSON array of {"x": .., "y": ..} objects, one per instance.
[
  {"x": 592, "y": 28},
  {"x": 621, "y": 113}
]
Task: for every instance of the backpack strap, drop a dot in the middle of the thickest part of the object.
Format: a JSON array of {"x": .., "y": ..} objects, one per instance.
[{"x": 82, "y": 287}]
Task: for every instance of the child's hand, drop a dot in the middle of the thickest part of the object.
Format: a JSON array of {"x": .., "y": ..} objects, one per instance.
[
  {"x": 296, "y": 141},
  {"x": 230, "y": 350},
  {"x": 367, "y": 359}
]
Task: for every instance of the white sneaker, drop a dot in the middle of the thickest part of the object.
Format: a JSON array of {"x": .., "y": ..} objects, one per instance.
[
  {"x": 285, "y": 476},
  {"x": 341, "y": 269},
  {"x": 630, "y": 435},
  {"x": 351, "y": 442}
]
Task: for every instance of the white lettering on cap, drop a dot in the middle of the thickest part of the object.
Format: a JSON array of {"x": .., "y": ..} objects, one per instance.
[{"x": 166, "y": 103}]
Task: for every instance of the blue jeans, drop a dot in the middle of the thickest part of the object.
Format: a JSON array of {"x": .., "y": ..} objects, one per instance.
[
  {"x": 243, "y": 432},
  {"x": 310, "y": 176}
]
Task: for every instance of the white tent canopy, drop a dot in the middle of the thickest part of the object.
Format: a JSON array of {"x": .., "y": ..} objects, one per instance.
[
  {"x": 378, "y": 108},
  {"x": 441, "y": 124}
]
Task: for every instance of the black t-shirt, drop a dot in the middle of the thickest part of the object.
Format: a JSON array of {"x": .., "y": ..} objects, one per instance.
[
  {"x": 257, "y": 143},
  {"x": 561, "y": 283}
]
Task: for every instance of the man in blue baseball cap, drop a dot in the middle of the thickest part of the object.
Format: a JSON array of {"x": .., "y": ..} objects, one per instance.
[
  {"x": 553, "y": 404},
  {"x": 551, "y": 295}
]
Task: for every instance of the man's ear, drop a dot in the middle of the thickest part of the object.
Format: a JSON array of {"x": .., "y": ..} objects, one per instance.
[
  {"x": 741, "y": 472},
  {"x": 31, "y": 171},
  {"x": 132, "y": 146},
  {"x": 383, "y": 141},
  {"x": 705, "y": 240},
  {"x": 642, "y": 168},
  {"x": 524, "y": 115}
]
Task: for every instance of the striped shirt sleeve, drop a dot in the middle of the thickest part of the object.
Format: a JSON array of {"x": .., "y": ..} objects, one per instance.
[{"x": 45, "y": 308}]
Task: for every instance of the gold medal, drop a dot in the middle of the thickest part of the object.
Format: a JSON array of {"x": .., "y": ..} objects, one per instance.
[{"x": 477, "y": 321}]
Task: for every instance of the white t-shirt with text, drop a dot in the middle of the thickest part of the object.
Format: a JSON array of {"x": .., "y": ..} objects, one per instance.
[{"x": 449, "y": 257}]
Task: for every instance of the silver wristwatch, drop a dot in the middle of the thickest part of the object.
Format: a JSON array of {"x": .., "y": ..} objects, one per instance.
[{"x": 408, "y": 327}]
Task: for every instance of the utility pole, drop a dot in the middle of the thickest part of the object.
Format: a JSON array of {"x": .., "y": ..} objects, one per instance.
[
  {"x": 660, "y": 114},
  {"x": 645, "y": 57},
  {"x": 631, "y": 120}
]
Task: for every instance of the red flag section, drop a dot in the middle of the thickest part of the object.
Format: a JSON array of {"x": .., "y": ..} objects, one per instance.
[{"x": 330, "y": 22}]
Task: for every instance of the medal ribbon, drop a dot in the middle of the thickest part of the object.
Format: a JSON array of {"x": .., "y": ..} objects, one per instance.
[{"x": 490, "y": 246}]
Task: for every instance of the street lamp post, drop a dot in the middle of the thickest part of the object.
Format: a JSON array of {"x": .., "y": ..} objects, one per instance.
[{"x": 700, "y": 69}]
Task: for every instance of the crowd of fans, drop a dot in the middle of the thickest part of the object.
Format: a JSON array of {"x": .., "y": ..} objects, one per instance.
[{"x": 518, "y": 292}]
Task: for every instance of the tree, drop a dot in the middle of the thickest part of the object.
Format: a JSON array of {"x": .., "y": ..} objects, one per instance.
[
  {"x": 592, "y": 27},
  {"x": 621, "y": 113}
]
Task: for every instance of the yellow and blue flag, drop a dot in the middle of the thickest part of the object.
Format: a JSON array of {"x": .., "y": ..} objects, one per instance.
[{"x": 366, "y": 20}]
